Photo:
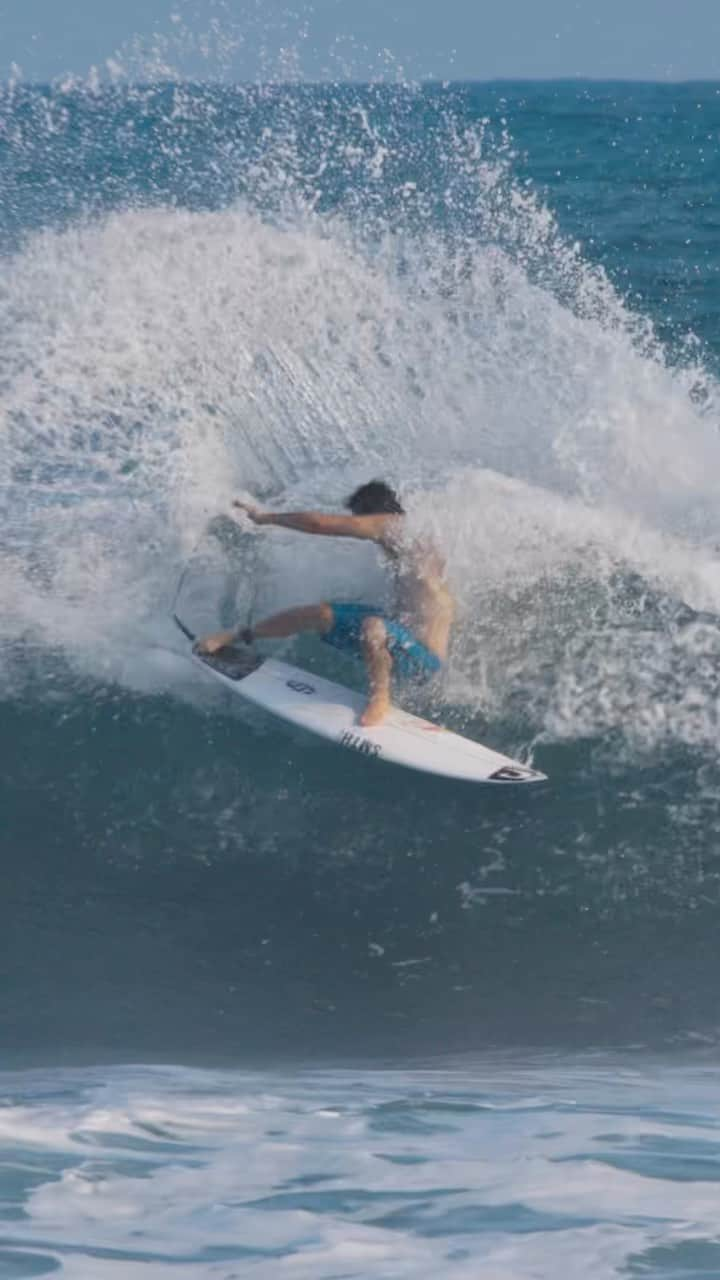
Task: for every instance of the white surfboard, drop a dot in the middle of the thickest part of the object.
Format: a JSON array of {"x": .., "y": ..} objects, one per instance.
[{"x": 332, "y": 711}]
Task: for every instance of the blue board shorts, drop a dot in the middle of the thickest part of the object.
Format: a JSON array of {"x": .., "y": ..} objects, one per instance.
[{"x": 412, "y": 660}]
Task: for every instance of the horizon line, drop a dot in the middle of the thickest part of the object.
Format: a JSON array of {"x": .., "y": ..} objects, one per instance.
[{"x": 108, "y": 82}]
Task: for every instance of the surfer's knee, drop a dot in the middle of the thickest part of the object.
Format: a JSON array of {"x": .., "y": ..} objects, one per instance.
[{"x": 374, "y": 633}]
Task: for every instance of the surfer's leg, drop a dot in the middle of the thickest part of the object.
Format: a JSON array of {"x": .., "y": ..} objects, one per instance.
[
  {"x": 307, "y": 617},
  {"x": 313, "y": 617},
  {"x": 379, "y": 667}
]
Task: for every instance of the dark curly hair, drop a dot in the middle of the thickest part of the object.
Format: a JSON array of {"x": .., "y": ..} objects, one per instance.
[{"x": 374, "y": 499}]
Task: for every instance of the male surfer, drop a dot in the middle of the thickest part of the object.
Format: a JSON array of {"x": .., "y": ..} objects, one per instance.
[{"x": 412, "y": 642}]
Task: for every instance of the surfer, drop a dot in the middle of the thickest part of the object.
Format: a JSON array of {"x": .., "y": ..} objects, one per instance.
[{"x": 412, "y": 642}]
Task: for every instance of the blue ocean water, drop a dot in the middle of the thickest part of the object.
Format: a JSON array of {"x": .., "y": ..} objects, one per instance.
[{"x": 399, "y": 1028}]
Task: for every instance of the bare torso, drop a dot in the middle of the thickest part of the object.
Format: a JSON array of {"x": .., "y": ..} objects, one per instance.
[{"x": 423, "y": 601}]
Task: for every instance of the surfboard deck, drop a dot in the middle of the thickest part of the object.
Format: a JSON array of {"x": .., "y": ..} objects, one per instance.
[{"x": 332, "y": 711}]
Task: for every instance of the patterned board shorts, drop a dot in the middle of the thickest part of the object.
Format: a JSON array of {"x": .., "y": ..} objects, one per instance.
[{"x": 412, "y": 660}]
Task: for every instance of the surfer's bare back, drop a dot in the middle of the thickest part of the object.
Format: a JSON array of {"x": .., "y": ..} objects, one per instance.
[{"x": 411, "y": 642}]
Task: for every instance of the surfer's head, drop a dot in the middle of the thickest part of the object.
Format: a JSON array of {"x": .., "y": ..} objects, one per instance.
[{"x": 374, "y": 499}]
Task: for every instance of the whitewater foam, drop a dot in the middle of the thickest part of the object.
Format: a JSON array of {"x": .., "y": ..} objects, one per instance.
[
  {"x": 459, "y": 1171},
  {"x": 157, "y": 359}
]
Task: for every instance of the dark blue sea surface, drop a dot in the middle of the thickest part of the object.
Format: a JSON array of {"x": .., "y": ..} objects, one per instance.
[{"x": 506, "y": 299}]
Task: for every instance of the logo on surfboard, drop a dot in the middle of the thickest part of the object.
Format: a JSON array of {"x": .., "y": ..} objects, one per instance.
[{"x": 299, "y": 686}]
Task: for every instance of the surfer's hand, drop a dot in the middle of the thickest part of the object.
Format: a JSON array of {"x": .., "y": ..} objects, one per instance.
[
  {"x": 254, "y": 513},
  {"x": 213, "y": 644}
]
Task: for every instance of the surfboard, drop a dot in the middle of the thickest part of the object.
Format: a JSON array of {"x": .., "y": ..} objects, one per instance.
[{"x": 332, "y": 711}]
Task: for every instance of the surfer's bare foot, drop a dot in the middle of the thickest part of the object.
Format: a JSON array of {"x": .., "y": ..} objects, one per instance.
[
  {"x": 375, "y": 711},
  {"x": 223, "y": 639},
  {"x": 214, "y": 643}
]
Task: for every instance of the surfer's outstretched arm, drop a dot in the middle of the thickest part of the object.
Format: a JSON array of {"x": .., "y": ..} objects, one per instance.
[{"x": 373, "y": 527}]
